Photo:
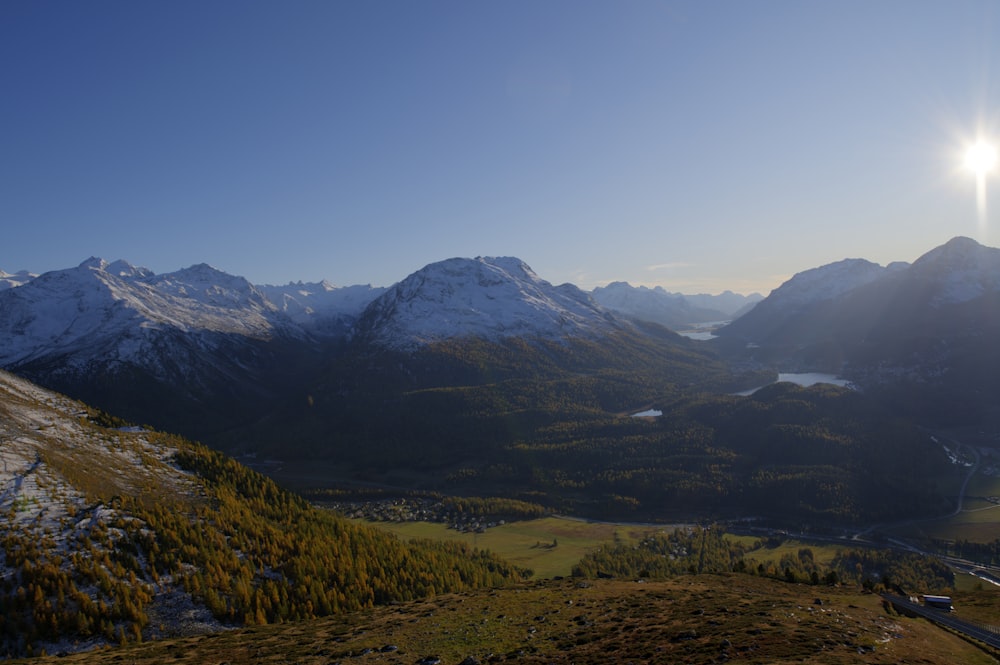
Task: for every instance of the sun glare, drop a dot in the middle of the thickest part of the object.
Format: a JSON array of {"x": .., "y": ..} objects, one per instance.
[{"x": 981, "y": 158}]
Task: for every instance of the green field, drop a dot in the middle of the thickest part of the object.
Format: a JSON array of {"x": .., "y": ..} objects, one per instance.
[
  {"x": 549, "y": 546},
  {"x": 530, "y": 543},
  {"x": 823, "y": 554}
]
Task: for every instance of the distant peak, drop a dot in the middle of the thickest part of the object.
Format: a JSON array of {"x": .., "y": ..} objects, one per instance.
[
  {"x": 119, "y": 268},
  {"x": 94, "y": 263},
  {"x": 508, "y": 265},
  {"x": 202, "y": 268},
  {"x": 960, "y": 252},
  {"x": 827, "y": 281},
  {"x": 962, "y": 242},
  {"x": 503, "y": 262},
  {"x": 957, "y": 246}
]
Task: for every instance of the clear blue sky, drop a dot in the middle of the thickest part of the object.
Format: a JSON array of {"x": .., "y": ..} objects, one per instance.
[{"x": 695, "y": 145}]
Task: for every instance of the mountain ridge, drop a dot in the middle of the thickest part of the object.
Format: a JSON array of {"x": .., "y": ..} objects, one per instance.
[
  {"x": 918, "y": 334},
  {"x": 307, "y": 302}
]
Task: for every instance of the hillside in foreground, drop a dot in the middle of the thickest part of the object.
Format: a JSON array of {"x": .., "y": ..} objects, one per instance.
[
  {"x": 690, "y": 619},
  {"x": 114, "y": 535}
]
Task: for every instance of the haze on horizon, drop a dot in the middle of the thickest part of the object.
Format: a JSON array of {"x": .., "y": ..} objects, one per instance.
[{"x": 696, "y": 146}]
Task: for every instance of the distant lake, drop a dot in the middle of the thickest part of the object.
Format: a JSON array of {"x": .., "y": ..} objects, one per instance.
[
  {"x": 702, "y": 331},
  {"x": 697, "y": 334},
  {"x": 803, "y": 379}
]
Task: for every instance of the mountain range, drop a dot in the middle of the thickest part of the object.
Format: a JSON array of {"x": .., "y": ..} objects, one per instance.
[
  {"x": 673, "y": 310},
  {"x": 217, "y": 358},
  {"x": 198, "y": 350},
  {"x": 923, "y": 334},
  {"x": 491, "y": 297}
]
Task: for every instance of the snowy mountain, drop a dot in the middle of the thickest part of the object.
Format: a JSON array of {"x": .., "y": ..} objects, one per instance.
[
  {"x": 485, "y": 297},
  {"x": 114, "y": 312},
  {"x": 672, "y": 310},
  {"x": 207, "y": 346},
  {"x": 201, "y": 351},
  {"x": 8, "y": 281}
]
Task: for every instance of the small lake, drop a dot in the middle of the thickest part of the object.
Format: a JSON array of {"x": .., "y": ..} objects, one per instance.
[
  {"x": 702, "y": 331},
  {"x": 697, "y": 334},
  {"x": 804, "y": 379}
]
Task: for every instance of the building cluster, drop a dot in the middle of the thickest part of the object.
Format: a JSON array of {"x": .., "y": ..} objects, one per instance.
[{"x": 414, "y": 509}]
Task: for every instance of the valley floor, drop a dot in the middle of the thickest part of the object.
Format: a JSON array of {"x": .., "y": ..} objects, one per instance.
[{"x": 690, "y": 619}]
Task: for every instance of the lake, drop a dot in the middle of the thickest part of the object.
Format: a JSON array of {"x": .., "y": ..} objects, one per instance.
[
  {"x": 701, "y": 331},
  {"x": 803, "y": 379}
]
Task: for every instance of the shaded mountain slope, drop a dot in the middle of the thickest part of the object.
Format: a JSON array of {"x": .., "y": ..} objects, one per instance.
[{"x": 920, "y": 335}]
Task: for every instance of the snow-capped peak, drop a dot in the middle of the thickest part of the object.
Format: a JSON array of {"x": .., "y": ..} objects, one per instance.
[
  {"x": 210, "y": 286},
  {"x": 489, "y": 297},
  {"x": 94, "y": 263},
  {"x": 120, "y": 268}
]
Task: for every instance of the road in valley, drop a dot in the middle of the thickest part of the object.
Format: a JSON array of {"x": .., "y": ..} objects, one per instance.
[{"x": 987, "y": 634}]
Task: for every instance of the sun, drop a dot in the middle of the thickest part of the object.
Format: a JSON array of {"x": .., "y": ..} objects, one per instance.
[{"x": 981, "y": 158}]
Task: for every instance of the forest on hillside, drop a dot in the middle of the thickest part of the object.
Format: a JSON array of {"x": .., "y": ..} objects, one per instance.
[{"x": 247, "y": 550}]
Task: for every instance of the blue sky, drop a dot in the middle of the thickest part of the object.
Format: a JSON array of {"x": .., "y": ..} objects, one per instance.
[{"x": 695, "y": 145}]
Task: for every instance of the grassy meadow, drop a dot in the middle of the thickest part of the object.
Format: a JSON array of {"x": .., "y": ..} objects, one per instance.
[{"x": 549, "y": 546}]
